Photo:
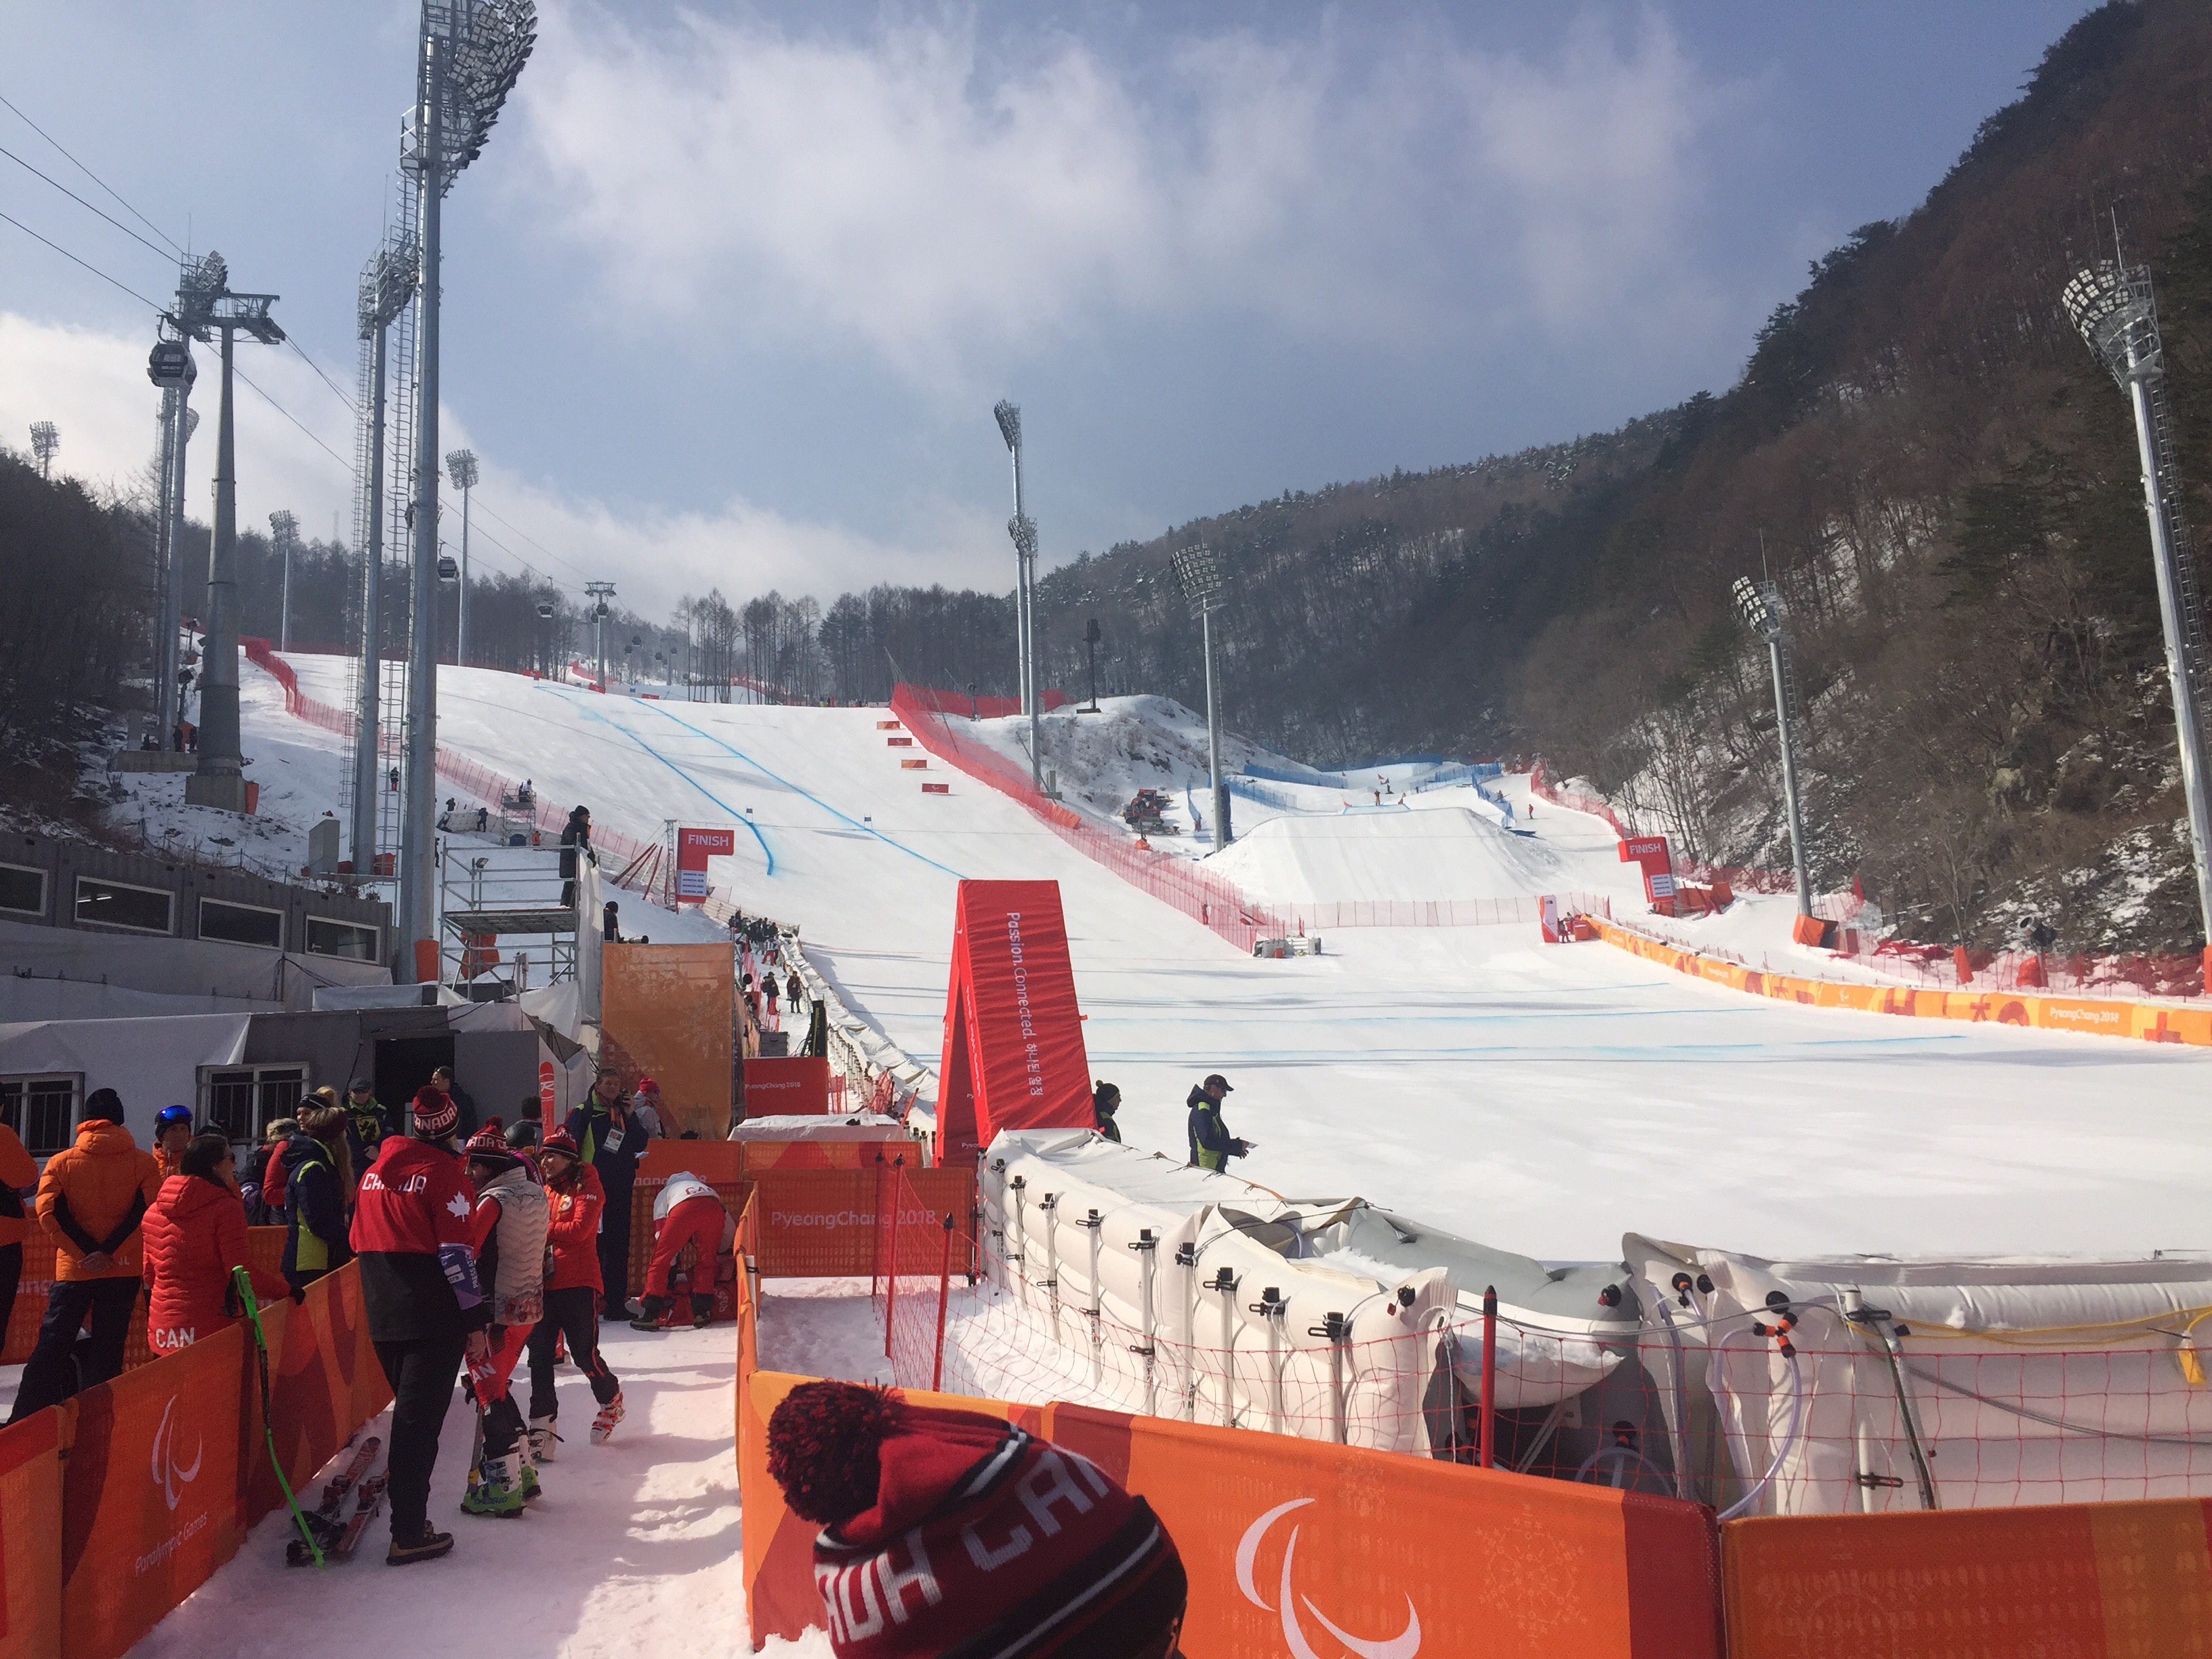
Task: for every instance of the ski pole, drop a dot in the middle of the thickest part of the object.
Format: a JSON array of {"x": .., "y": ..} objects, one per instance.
[{"x": 244, "y": 1281}]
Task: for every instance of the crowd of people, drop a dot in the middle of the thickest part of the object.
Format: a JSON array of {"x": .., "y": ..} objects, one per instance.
[{"x": 479, "y": 1243}]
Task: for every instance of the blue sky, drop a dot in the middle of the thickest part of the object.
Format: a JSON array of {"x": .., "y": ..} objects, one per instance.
[{"x": 732, "y": 289}]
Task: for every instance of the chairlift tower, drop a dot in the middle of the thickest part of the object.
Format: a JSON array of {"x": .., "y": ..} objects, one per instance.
[
  {"x": 1200, "y": 573},
  {"x": 387, "y": 288},
  {"x": 284, "y": 530},
  {"x": 1023, "y": 529},
  {"x": 2113, "y": 306},
  {"x": 461, "y": 468},
  {"x": 170, "y": 367},
  {"x": 600, "y": 592},
  {"x": 1760, "y": 604},
  {"x": 206, "y": 307},
  {"x": 470, "y": 53},
  {"x": 46, "y": 441}
]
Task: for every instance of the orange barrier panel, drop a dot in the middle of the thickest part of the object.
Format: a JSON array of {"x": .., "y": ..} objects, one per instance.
[
  {"x": 1403, "y": 1555},
  {"x": 712, "y": 1161},
  {"x": 670, "y": 1012},
  {"x": 30, "y": 1540},
  {"x": 2105, "y": 1017},
  {"x": 794, "y": 1087},
  {"x": 2089, "y": 1581},
  {"x": 821, "y": 1223}
]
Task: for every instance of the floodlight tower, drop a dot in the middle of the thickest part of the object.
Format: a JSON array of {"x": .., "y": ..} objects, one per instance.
[
  {"x": 387, "y": 288},
  {"x": 1760, "y": 606},
  {"x": 1023, "y": 529},
  {"x": 170, "y": 367},
  {"x": 461, "y": 468},
  {"x": 470, "y": 53},
  {"x": 600, "y": 592},
  {"x": 206, "y": 306},
  {"x": 45, "y": 439},
  {"x": 284, "y": 530},
  {"x": 1200, "y": 573},
  {"x": 2113, "y": 308}
]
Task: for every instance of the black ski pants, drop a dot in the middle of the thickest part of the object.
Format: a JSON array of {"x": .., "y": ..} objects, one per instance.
[
  {"x": 575, "y": 1314},
  {"x": 614, "y": 1247},
  {"x": 47, "y": 1378},
  {"x": 422, "y": 1373}
]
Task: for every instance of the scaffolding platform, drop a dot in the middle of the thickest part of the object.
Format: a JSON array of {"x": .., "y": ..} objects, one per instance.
[{"x": 494, "y": 899}]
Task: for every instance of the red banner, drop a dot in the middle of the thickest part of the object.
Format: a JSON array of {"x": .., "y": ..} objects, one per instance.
[
  {"x": 1013, "y": 1035},
  {"x": 693, "y": 848},
  {"x": 776, "y": 1086}
]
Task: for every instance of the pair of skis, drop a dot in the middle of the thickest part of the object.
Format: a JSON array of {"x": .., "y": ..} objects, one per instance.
[
  {"x": 334, "y": 1532},
  {"x": 323, "y": 1534}
]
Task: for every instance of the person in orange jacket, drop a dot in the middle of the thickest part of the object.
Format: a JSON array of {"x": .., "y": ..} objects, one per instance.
[
  {"x": 94, "y": 1194},
  {"x": 19, "y": 1183},
  {"x": 195, "y": 1234}
]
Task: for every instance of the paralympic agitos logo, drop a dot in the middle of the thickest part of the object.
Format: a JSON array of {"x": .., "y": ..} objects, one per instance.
[
  {"x": 167, "y": 1476},
  {"x": 1404, "y": 1645}
]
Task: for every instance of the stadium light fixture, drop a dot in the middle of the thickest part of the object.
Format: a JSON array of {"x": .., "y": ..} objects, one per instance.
[
  {"x": 1199, "y": 574},
  {"x": 2117, "y": 313},
  {"x": 461, "y": 468},
  {"x": 469, "y": 54},
  {"x": 1760, "y": 604},
  {"x": 284, "y": 530},
  {"x": 1023, "y": 529},
  {"x": 46, "y": 441}
]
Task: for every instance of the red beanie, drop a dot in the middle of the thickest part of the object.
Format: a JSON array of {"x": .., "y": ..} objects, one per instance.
[
  {"x": 435, "y": 1114},
  {"x": 951, "y": 1532}
]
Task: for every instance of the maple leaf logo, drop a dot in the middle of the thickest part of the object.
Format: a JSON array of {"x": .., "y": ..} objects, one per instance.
[{"x": 460, "y": 1206}]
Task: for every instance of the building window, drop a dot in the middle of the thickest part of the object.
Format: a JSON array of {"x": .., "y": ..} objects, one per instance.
[
  {"x": 242, "y": 924},
  {"x": 22, "y": 890},
  {"x": 352, "y": 940},
  {"x": 242, "y": 1101},
  {"x": 42, "y": 1109},
  {"x": 117, "y": 904}
]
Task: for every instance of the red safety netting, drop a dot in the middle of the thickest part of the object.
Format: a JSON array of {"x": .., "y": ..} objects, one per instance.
[{"x": 1173, "y": 881}]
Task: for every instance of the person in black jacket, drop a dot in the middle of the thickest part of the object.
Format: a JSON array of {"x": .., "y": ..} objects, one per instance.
[
  {"x": 317, "y": 1177},
  {"x": 1212, "y": 1146},
  {"x": 464, "y": 1102},
  {"x": 576, "y": 842},
  {"x": 611, "y": 1141},
  {"x": 1105, "y": 1101}
]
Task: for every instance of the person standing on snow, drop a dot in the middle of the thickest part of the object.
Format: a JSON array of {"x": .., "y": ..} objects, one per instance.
[
  {"x": 687, "y": 1211},
  {"x": 94, "y": 1194},
  {"x": 195, "y": 1234},
  {"x": 611, "y": 1141},
  {"x": 574, "y": 1201},
  {"x": 369, "y": 1122},
  {"x": 1105, "y": 1101},
  {"x": 317, "y": 1168},
  {"x": 1212, "y": 1146},
  {"x": 425, "y": 1313},
  {"x": 509, "y": 1231}
]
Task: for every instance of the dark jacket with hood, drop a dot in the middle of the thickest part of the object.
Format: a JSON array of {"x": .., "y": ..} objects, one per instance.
[{"x": 316, "y": 1240}]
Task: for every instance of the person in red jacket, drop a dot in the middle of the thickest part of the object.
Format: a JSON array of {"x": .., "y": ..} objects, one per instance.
[
  {"x": 195, "y": 1234},
  {"x": 949, "y": 1532},
  {"x": 687, "y": 1211},
  {"x": 418, "y": 1284},
  {"x": 574, "y": 1202}
]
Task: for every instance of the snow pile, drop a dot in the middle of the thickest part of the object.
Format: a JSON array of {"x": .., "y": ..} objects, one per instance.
[{"x": 1439, "y": 852}]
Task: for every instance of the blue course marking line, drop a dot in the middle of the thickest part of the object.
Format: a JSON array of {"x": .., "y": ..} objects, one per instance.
[
  {"x": 590, "y": 713},
  {"x": 865, "y": 829}
]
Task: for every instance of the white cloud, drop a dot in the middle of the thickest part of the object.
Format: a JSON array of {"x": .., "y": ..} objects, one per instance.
[
  {"x": 909, "y": 192},
  {"x": 92, "y": 386}
]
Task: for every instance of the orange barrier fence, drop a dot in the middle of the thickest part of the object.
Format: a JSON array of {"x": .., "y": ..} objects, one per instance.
[
  {"x": 2090, "y": 1581},
  {"x": 266, "y": 1245},
  {"x": 1402, "y": 1553},
  {"x": 811, "y": 1224},
  {"x": 2099, "y": 1016},
  {"x": 117, "y": 1504}
]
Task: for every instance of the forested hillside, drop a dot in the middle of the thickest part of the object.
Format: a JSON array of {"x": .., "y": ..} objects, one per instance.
[{"x": 1920, "y": 450}]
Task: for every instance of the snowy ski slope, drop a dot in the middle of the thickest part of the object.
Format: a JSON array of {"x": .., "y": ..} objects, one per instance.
[{"x": 1544, "y": 1099}]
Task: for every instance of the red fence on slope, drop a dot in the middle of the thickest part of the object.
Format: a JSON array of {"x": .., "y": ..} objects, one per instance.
[{"x": 1206, "y": 898}]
